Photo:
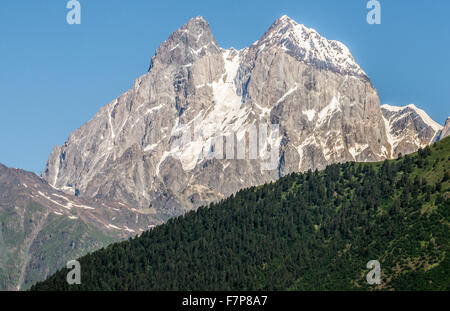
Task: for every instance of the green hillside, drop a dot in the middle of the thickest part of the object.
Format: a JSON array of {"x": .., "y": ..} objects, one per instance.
[{"x": 312, "y": 231}]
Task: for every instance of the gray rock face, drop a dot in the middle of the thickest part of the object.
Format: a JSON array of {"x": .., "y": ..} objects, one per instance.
[
  {"x": 446, "y": 130},
  {"x": 409, "y": 128},
  {"x": 327, "y": 109},
  {"x": 151, "y": 147},
  {"x": 43, "y": 228}
]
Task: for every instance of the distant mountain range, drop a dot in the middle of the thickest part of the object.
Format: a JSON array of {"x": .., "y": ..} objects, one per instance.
[{"x": 173, "y": 142}]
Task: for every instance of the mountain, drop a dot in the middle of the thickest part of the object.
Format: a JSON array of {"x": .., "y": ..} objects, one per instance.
[
  {"x": 310, "y": 231},
  {"x": 205, "y": 122},
  {"x": 409, "y": 128},
  {"x": 201, "y": 124},
  {"x": 43, "y": 228}
]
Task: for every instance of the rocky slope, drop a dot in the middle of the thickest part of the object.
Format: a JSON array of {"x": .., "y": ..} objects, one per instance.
[
  {"x": 409, "y": 128},
  {"x": 296, "y": 100},
  {"x": 43, "y": 228},
  {"x": 446, "y": 130}
]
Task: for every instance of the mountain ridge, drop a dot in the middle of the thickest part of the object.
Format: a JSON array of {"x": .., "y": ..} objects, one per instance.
[
  {"x": 139, "y": 149},
  {"x": 43, "y": 228}
]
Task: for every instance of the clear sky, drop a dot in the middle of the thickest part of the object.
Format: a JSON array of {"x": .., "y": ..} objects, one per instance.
[{"x": 54, "y": 77}]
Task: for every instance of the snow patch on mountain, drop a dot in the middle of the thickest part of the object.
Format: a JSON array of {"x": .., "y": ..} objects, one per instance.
[
  {"x": 226, "y": 117},
  {"x": 328, "y": 111},
  {"x": 357, "y": 149},
  {"x": 310, "y": 114}
]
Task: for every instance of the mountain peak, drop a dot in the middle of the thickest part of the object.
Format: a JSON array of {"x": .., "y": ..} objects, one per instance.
[
  {"x": 285, "y": 19},
  {"x": 195, "y": 23},
  {"x": 307, "y": 45},
  {"x": 193, "y": 40},
  {"x": 421, "y": 113}
]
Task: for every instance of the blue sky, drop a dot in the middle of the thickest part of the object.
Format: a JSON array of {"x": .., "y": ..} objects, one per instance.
[{"x": 54, "y": 77}]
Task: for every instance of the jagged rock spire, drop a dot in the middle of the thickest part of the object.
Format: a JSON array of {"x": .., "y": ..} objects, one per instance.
[{"x": 193, "y": 40}]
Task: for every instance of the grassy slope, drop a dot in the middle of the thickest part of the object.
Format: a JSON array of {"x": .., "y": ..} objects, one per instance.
[{"x": 34, "y": 243}]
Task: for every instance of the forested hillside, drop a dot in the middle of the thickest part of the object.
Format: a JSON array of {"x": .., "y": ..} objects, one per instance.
[{"x": 312, "y": 231}]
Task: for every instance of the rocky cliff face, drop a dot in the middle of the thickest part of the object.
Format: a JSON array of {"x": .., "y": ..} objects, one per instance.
[
  {"x": 409, "y": 128},
  {"x": 43, "y": 228},
  {"x": 446, "y": 130},
  {"x": 327, "y": 108},
  {"x": 294, "y": 99}
]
